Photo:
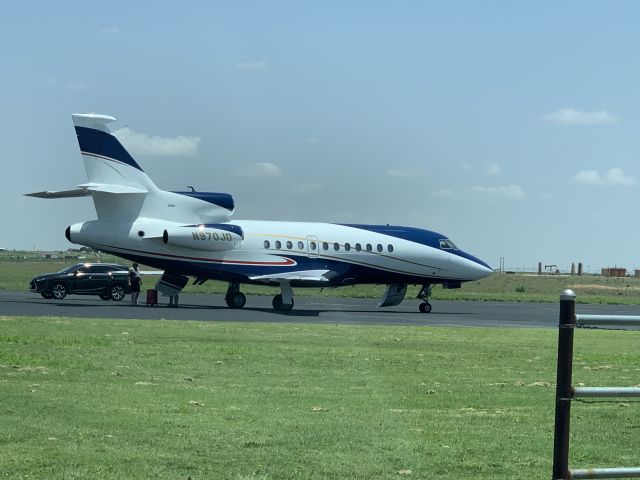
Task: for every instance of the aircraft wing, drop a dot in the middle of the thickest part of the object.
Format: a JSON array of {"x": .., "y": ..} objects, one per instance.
[
  {"x": 297, "y": 276},
  {"x": 85, "y": 190}
]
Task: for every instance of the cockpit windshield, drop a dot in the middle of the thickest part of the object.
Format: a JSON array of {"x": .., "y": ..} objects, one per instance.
[{"x": 446, "y": 244}]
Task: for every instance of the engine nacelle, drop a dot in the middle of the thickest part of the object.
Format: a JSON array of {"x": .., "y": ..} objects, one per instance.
[
  {"x": 90, "y": 233},
  {"x": 211, "y": 237}
]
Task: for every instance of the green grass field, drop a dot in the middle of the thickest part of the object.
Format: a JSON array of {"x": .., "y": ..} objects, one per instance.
[
  {"x": 99, "y": 398},
  {"x": 15, "y": 276}
]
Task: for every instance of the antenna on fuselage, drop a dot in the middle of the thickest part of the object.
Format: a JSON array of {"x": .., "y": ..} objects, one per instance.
[{"x": 192, "y": 189}]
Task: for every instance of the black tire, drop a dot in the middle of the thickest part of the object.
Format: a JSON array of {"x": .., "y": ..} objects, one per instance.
[
  {"x": 105, "y": 296},
  {"x": 47, "y": 295},
  {"x": 236, "y": 300},
  {"x": 117, "y": 292},
  {"x": 425, "y": 307},
  {"x": 278, "y": 306},
  {"x": 59, "y": 290}
]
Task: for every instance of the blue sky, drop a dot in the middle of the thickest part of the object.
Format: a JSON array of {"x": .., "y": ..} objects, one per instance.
[{"x": 509, "y": 126}]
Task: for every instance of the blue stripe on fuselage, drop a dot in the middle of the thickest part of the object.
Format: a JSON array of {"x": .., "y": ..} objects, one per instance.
[
  {"x": 417, "y": 235},
  {"x": 104, "y": 144}
]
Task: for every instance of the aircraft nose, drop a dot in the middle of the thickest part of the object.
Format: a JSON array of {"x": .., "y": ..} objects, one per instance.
[
  {"x": 476, "y": 268},
  {"x": 481, "y": 270}
]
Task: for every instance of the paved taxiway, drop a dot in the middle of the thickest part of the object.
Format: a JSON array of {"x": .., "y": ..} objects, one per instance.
[{"x": 307, "y": 310}]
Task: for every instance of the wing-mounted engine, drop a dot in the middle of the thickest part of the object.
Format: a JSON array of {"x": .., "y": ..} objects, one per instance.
[{"x": 211, "y": 237}]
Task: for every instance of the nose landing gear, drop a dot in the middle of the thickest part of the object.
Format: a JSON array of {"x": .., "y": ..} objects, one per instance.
[{"x": 424, "y": 294}]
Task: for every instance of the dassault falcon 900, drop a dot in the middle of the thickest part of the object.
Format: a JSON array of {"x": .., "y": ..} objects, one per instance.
[{"x": 191, "y": 234}]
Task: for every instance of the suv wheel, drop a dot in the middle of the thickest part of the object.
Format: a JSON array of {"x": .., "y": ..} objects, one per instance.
[
  {"x": 59, "y": 291},
  {"x": 117, "y": 292}
]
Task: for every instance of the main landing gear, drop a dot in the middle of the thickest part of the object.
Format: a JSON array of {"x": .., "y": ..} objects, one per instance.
[
  {"x": 282, "y": 302},
  {"x": 234, "y": 297},
  {"x": 424, "y": 294}
]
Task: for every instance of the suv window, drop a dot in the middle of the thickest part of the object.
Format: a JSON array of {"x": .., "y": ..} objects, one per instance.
[{"x": 101, "y": 268}]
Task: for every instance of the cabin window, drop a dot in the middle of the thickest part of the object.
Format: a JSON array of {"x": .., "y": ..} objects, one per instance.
[
  {"x": 336, "y": 246},
  {"x": 358, "y": 247},
  {"x": 313, "y": 245},
  {"x": 141, "y": 233},
  {"x": 266, "y": 244},
  {"x": 289, "y": 245},
  {"x": 390, "y": 248},
  {"x": 278, "y": 244},
  {"x": 347, "y": 247},
  {"x": 300, "y": 246},
  {"x": 325, "y": 246},
  {"x": 379, "y": 248},
  {"x": 369, "y": 247}
]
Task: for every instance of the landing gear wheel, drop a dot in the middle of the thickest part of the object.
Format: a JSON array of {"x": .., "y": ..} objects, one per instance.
[
  {"x": 278, "y": 306},
  {"x": 117, "y": 292},
  {"x": 105, "y": 296},
  {"x": 47, "y": 295},
  {"x": 59, "y": 291},
  {"x": 425, "y": 307},
  {"x": 236, "y": 300}
]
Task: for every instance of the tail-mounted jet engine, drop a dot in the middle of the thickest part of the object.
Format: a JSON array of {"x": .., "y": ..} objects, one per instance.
[{"x": 212, "y": 237}]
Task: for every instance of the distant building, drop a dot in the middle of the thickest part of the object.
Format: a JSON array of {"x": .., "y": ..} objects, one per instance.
[{"x": 614, "y": 272}]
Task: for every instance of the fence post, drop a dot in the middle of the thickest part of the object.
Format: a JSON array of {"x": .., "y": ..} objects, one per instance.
[{"x": 563, "y": 384}]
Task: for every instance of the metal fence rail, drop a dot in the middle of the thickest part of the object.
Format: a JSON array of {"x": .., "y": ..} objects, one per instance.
[
  {"x": 606, "y": 392},
  {"x": 565, "y": 392},
  {"x": 619, "y": 320},
  {"x": 606, "y": 473}
]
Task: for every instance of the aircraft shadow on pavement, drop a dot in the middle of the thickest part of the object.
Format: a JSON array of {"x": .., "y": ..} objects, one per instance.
[{"x": 298, "y": 312}]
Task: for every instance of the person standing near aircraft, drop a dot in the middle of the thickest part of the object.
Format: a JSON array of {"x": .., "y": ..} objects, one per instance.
[{"x": 135, "y": 281}]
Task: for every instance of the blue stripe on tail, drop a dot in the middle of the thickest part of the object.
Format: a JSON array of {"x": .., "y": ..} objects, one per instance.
[{"x": 97, "y": 142}]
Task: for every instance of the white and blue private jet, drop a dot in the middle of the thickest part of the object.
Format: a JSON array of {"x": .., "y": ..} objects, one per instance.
[{"x": 190, "y": 234}]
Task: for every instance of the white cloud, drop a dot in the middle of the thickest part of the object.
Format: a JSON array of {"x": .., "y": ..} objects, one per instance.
[
  {"x": 261, "y": 169},
  {"x": 77, "y": 86},
  {"x": 143, "y": 144},
  {"x": 402, "y": 173},
  {"x": 260, "y": 65},
  {"x": 493, "y": 169},
  {"x": 547, "y": 197},
  {"x": 442, "y": 193},
  {"x": 307, "y": 188},
  {"x": 112, "y": 30},
  {"x": 570, "y": 116},
  {"x": 514, "y": 192},
  {"x": 615, "y": 176}
]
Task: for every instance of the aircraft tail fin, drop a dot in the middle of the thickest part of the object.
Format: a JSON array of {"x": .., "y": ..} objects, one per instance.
[{"x": 106, "y": 161}]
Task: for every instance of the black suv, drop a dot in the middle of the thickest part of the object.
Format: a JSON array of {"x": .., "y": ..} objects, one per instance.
[{"x": 107, "y": 280}]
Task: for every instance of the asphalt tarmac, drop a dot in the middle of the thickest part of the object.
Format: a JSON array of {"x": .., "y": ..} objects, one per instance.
[{"x": 307, "y": 310}]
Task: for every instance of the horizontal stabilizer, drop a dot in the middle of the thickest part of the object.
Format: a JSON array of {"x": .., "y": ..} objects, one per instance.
[
  {"x": 110, "y": 188},
  {"x": 299, "y": 276},
  {"x": 85, "y": 190},
  {"x": 79, "y": 192}
]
